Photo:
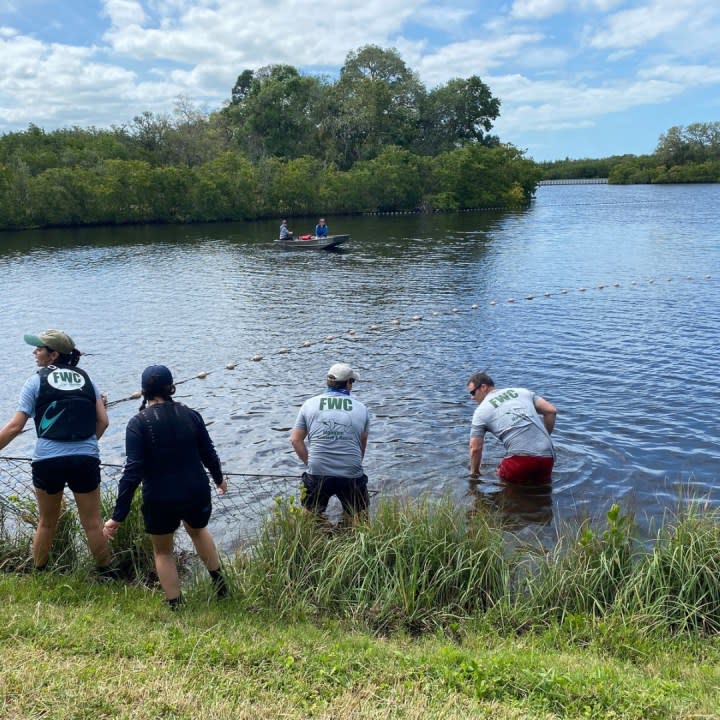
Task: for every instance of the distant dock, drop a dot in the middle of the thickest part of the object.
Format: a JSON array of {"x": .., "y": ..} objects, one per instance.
[{"x": 577, "y": 181}]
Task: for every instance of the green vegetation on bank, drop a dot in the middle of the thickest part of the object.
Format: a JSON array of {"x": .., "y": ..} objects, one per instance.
[
  {"x": 230, "y": 187},
  {"x": 423, "y": 612},
  {"x": 374, "y": 139},
  {"x": 285, "y": 144},
  {"x": 683, "y": 155}
]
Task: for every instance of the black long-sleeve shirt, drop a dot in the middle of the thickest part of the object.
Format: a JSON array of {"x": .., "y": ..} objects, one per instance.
[{"x": 167, "y": 445}]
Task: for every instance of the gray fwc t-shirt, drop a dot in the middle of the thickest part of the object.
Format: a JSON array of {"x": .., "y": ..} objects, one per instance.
[
  {"x": 334, "y": 423},
  {"x": 510, "y": 415}
]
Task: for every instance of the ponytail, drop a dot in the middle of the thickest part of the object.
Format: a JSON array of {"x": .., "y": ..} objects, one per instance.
[
  {"x": 164, "y": 393},
  {"x": 70, "y": 359}
]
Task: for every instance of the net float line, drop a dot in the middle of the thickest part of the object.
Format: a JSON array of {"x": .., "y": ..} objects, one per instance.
[{"x": 375, "y": 328}]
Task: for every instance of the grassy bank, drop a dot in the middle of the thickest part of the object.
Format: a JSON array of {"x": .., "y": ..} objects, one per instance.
[
  {"x": 422, "y": 613},
  {"x": 74, "y": 649}
]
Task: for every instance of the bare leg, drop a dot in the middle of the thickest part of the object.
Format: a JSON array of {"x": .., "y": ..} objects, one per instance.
[
  {"x": 165, "y": 564},
  {"x": 88, "y": 505},
  {"x": 49, "y": 508},
  {"x": 204, "y": 546}
]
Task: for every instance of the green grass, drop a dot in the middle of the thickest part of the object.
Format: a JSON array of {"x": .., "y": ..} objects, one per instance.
[
  {"x": 421, "y": 612},
  {"x": 415, "y": 566},
  {"x": 75, "y": 649}
]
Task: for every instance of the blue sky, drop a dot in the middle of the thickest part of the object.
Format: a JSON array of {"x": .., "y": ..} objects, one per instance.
[{"x": 576, "y": 78}]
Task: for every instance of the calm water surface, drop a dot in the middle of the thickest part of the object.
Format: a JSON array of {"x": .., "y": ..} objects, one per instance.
[{"x": 630, "y": 361}]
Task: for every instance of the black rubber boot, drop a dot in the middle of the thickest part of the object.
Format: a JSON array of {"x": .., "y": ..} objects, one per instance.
[{"x": 218, "y": 582}]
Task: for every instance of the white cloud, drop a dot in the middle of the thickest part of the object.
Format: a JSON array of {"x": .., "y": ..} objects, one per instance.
[
  {"x": 442, "y": 16},
  {"x": 56, "y": 79},
  {"x": 632, "y": 28},
  {"x": 125, "y": 13},
  {"x": 257, "y": 32},
  {"x": 541, "y": 9},
  {"x": 474, "y": 57},
  {"x": 685, "y": 75},
  {"x": 537, "y": 9},
  {"x": 556, "y": 106}
]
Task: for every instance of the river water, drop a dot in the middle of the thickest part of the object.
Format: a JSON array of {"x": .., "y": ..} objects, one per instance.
[{"x": 614, "y": 318}]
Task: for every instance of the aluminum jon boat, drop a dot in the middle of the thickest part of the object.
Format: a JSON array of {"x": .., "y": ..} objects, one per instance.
[{"x": 312, "y": 242}]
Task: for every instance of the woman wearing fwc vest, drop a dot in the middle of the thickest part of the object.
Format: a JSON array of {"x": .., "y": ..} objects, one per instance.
[{"x": 70, "y": 417}]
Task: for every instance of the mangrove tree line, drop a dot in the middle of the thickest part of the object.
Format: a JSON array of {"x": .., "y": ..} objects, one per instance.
[
  {"x": 373, "y": 140},
  {"x": 683, "y": 155}
]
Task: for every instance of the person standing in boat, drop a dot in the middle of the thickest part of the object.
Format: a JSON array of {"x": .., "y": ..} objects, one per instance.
[
  {"x": 321, "y": 229},
  {"x": 70, "y": 417},
  {"x": 522, "y": 421},
  {"x": 285, "y": 234},
  {"x": 330, "y": 436},
  {"x": 168, "y": 448}
]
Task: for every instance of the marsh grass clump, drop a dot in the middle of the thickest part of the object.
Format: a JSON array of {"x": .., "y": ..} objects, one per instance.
[
  {"x": 18, "y": 520},
  {"x": 15, "y": 536},
  {"x": 131, "y": 546},
  {"x": 132, "y": 549},
  {"x": 676, "y": 587},
  {"x": 586, "y": 572},
  {"x": 424, "y": 565},
  {"x": 415, "y": 565}
]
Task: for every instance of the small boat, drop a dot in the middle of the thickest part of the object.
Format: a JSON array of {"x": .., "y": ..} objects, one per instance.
[{"x": 312, "y": 242}]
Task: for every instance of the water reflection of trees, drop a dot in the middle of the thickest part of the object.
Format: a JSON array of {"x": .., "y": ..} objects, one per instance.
[{"x": 515, "y": 505}]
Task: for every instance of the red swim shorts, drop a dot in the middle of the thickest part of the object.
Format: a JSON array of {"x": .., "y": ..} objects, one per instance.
[{"x": 525, "y": 469}]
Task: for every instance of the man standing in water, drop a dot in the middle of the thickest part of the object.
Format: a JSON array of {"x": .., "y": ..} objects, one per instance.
[
  {"x": 335, "y": 426},
  {"x": 522, "y": 421}
]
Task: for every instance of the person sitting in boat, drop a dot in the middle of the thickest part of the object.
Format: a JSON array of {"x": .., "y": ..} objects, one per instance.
[
  {"x": 285, "y": 234},
  {"x": 321, "y": 229}
]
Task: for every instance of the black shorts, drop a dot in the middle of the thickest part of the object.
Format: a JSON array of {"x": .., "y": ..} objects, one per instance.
[
  {"x": 164, "y": 518},
  {"x": 81, "y": 473},
  {"x": 318, "y": 489}
]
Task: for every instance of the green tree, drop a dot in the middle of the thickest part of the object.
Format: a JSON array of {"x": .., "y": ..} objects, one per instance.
[
  {"x": 274, "y": 111},
  {"x": 457, "y": 113},
  {"x": 291, "y": 187},
  {"x": 478, "y": 176},
  {"x": 127, "y": 189},
  {"x": 391, "y": 181},
  {"x": 691, "y": 172},
  {"x": 242, "y": 87},
  {"x": 227, "y": 188},
  {"x": 377, "y": 100},
  {"x": 190, "y": 140},
  {"x": 632, "y": 170},
  {"x": 149, "y": 134},
  {"x": 692, "y": 144}
]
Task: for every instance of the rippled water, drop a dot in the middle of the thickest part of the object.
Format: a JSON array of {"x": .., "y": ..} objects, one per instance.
[{"x": 630, "y": 361}]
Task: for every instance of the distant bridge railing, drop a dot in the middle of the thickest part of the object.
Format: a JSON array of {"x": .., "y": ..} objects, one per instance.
[{"x": 575, "y": 181}]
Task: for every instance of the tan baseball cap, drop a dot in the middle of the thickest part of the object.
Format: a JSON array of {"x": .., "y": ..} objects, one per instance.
[{"x": 342, "y": 372}]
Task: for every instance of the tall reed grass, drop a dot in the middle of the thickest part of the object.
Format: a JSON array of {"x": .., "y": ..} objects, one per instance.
[
  {"x": 415, "y": 565},
  {"x": 18, "y": 520},
  {"x": 420, "y": 564},
  {"x": 131, "y": 546},
  {"x": 676, "y": 586},
  {"x": 587, "y": 570},
  {"x": 15, "y": 537}
]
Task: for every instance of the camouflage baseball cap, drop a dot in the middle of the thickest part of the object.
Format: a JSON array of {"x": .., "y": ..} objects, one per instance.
[{"x": 56, "y": 340}]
